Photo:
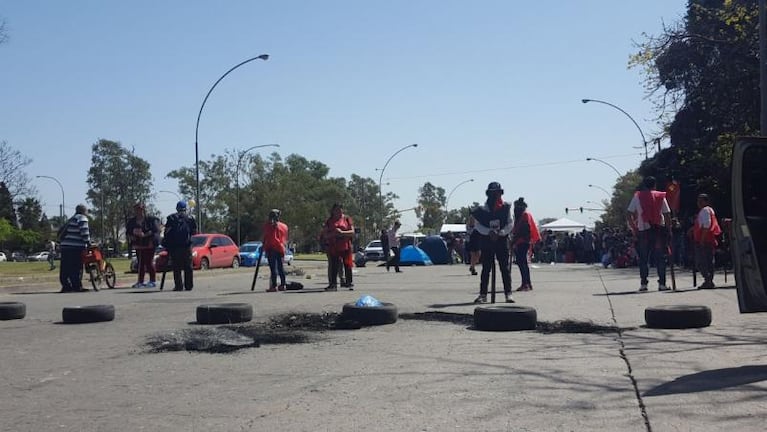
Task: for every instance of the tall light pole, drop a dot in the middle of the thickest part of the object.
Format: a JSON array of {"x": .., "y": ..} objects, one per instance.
[
  {"x": 62, "y": 212},
  {"x": 237, "y": 184},
  {"x": 600, "y": 188},
  {"x": 451, "y": 193},
  {"x": 644, "y": 141},
  {"x": 380, "y": 178},
  {"x": 196, "y": 130},
  {"x": 178, "y": 197},
  {"x": 606, "y": 163}
]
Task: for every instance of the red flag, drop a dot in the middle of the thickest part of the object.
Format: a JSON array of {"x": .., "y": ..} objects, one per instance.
[{"x": 672, "y": 195}]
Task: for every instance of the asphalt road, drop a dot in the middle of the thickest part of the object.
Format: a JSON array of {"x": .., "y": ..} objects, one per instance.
[{"x": 415, "y": 375}]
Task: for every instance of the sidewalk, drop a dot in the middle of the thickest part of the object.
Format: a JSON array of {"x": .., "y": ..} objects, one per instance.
[{"x": 415, "y": 375}]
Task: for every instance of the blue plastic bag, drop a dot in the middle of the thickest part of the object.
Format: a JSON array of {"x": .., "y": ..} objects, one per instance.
[{"x": 368, "y": 301}]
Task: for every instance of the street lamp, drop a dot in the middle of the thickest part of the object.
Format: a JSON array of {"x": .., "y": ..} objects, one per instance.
[
  {"x": 178, "y": 197},
  {"x": 451, "y": 193},
  {"x": 606, "y": 163},
  {"x": 237, "y": 184},
  {"x": 380, "y": 178},
  {"x": 644, "y": 141},
  {"x": 61, "y": 213},
  {"x": 602, "y": 206},
  {"x": 196, "y": 129},
  {"x": 600, "y": 188}
]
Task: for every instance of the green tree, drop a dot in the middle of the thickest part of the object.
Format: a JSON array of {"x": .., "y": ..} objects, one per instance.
[
  {"x": 117, "y": 179},
  {"x": 432, "y": 200},
  {"x": 7, "y": 211},
  {"x": 30, "y": 213},
  {"x": 703, "y": 73},
  {"x": 12, "y": 171},
  {"x": 615, "y": 212}
]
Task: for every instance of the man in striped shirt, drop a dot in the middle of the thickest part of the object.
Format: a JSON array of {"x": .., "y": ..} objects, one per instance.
[{"x": 74, "y": 239}]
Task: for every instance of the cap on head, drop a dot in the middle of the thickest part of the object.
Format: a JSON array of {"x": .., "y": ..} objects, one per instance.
[
  {"x": 493, "y": 187},
  {"x": 181, "y": 206}
]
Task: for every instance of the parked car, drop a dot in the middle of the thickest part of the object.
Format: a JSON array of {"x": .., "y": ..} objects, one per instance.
[
  {"x": 39, "y": 256},
  {"x": 374, "y": 251},
  {"x": 3, "y": 257},
  {"x": 249, "y": 254},
  {"x": 18, "y": 256},
  {"x": 214, "y": 250}
]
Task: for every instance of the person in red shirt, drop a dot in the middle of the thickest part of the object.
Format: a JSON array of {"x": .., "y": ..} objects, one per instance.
[
  {"x": 705, "y": 231},
  {"x": 524, "y": 234},
  {"x": 337, "y": 233},
  {"x": 275, "y": 239}
]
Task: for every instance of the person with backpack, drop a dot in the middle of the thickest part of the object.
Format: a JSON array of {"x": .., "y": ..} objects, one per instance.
[
  {"x": 705, "y": 232},
  {"x": 179, "y": 229},
  {"x": 74, "y": 237},
  {"x": 650, "y": 214},
  {"x": 275, "y": 239},
  {"x": 144, "y": 232}
]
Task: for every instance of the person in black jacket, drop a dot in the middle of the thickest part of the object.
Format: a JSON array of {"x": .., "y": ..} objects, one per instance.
[
  {"x": 493, "y": 223},
  {"x": 179, "y": 229}
]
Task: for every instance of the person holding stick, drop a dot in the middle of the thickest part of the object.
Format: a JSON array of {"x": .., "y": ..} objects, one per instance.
[
  {"x": 338, "y": 232},
  {"x": 493, "y": 223}
]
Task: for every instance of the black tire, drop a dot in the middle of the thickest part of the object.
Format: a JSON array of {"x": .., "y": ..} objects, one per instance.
[
  {"x": 224, "y": 313},
  {"x": 505, "y": 318},
  {"x": 235, "y": 263},
  {"x": 677, "y": 316},
  {"x": 204, "y": 264},
  {"x": 94, "y": 276},
  {"x": 369, "y": 316},
  {"x": 110, "y": 277},
  {"x": 12, "y": 310},
  {"x": 88, "y": 314}
]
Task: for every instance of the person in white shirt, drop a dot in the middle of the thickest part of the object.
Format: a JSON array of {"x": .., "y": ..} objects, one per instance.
[
  {"x": 649, "y": 218},
  {"x": 394, "y": 246}
]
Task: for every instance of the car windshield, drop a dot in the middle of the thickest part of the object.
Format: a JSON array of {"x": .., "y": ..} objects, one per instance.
[
  {"x": 375, "y": 244},
  {"x": 250, "y": 248},
  {"x": 198, "y": 240}
]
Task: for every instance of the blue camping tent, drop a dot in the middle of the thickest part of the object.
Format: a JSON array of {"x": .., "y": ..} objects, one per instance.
[
  {"x": 435, "y": 247},
  {"x": 413, "y": 255}
]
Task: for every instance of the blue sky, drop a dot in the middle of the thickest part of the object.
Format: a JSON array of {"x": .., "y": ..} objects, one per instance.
[{"x": 489, "y": 90}]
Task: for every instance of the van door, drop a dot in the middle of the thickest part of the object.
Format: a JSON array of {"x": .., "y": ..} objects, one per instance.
[{"x": 749, "y": 222}]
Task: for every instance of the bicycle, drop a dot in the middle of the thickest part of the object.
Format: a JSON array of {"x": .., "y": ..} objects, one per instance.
[{"x": 99, "y": 270}]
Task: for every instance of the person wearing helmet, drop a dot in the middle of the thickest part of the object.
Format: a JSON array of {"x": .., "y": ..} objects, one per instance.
[
  {"x": 493, "y": 223},
  {"x": 179, "y": 229},
  {"x": 275, "y": 239},
  {"x": 143, "y": 233}
]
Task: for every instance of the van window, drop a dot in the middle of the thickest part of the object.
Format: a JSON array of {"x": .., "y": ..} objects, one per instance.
[{"x": 754, "y": 184}]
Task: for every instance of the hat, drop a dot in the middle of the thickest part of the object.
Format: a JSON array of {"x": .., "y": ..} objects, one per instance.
[
  {"x": 181, "y": 206},
  {"x": 520, "y": 203},
  {"x": 494, "y": 187}
]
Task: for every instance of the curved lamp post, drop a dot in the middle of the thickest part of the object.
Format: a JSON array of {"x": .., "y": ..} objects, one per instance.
[
  {"x": 61, "y": 213},
  {"x": 602, "y": 206},
  {"x": 178, "y": 197},
  {"x": 237, "y": 184},
  {"x": 196, "y": 130},
  {"x": 451, "y": 193},
  {"x": 380, "y": 178},
  {"x": 644, "y": 141},
  {"x": 600, "y": 188},
  {"x": 606, "y": 163}
]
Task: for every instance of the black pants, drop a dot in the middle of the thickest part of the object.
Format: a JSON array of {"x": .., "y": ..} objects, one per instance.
[
  {"x": 181, "y": 260},
  {"x": 335, "y": 264},
  {"x": 520, "y": 253},
  {"x": 393, "y": 261},
  {"x": 498, "y": 249},
  {"x": 70, "y": 272}
]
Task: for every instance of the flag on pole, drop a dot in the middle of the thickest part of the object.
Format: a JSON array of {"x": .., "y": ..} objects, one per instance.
[{"x": 672, "y": 195}]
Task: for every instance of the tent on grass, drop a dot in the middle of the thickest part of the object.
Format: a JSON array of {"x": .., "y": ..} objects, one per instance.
[
  {"x": 435, "y": 248},
  {"x": 412, "y": 255}
]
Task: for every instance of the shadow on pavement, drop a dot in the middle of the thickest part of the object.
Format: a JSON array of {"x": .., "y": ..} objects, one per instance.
[
  {"x": 716, "y": 379},
  {"x": 446, "y": 305}
]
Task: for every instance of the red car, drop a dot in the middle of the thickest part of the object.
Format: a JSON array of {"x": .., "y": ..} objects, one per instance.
[{"x": 214, "y": 250}]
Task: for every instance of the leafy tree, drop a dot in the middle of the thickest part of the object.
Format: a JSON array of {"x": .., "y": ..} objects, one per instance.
[
  {"x": 703, "y": 73},
  {"x": 615, "y": 212},
  {"x": 7, "y": 210},
  {"x": 117, "y": 179},
  {"x": 30, "y": 212},
  {"x": 461, "y": 215},
  {"x": 12, "y": 174},
  {"x": 432, "y": 200}
]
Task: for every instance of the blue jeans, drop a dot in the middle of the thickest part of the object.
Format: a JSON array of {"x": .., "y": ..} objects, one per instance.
[
  {"x": 652, "y": 241},
  {"x": 275, "y": 267}
]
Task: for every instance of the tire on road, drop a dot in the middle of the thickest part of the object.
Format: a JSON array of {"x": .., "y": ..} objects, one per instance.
[
  {"x": 88, "y": 314},
  {"x": 369, "y": 316},
  {"x": 505, "y": 318},
  {"x": 12, "y": 310},
  {"x": 677, "y": 316},
  {"x": 224, "y": 313}
]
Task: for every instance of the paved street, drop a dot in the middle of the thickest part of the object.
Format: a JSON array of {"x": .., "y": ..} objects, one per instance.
[{"x": 415, "y": 375}]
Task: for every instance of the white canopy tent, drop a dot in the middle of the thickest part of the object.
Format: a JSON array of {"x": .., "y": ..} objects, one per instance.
[
  {"x": 563, "y": 225},
  {"x": 454, "y": 228}
]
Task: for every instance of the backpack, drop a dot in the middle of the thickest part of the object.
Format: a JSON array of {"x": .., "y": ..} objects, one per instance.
[{"x": 177, "y": 232}]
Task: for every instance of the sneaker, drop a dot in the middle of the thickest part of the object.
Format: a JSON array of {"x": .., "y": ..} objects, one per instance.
[
  {"x": 331, "y": 288},
  {"x": 272, "y": 289},
  {"x": 643, "y": 287},
  {"x": 178, "y": 289},
  {"x": 707, "y": 285},
  {"x": 663, "y": 287},
  {"x": 509, "y": 298},
  {"x": 281, "y": 287},
  {"x": 138, "y": 285},
  {"x": 480, "y": 299},
  {"x": 473, "y": 271},
  {"x": 151, "y": 285},
  {"x": 525, "y": 287}
]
